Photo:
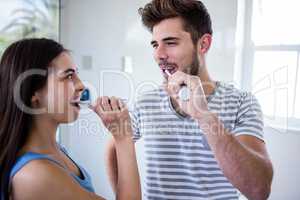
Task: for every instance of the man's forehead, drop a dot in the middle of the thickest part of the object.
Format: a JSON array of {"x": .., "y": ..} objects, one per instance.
[
  {"x": 169, "y": 35},
  {"x": 172, "y": 27}
]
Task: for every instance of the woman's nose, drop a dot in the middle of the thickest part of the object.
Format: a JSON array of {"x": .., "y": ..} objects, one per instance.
[{"x": 79, "y": 85}]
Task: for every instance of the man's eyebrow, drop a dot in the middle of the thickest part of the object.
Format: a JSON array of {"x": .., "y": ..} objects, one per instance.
[
  {"x": 153, "y": 42},
  {"x": 170, "y": 38},
  {"x": 165, "y": 40}
]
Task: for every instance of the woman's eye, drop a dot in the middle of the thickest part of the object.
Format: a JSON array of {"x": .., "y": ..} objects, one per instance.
[{"x": 70, "y": 76}]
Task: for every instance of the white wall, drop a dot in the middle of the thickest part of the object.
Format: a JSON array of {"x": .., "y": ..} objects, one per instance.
[
  {"x": 106, "y": 31},
  {"x": 284, "y": 148},
  {"x": 220, "y": 59},
  {"x": 109, "y": 30}
]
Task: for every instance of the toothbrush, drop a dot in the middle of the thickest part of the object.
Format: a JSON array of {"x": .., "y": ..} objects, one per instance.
[
  {"x": 184, "y": 92},
  {"x": 88, "y": 103}
]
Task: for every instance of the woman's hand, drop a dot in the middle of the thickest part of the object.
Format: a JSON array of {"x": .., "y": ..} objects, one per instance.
[
  {"x": 115, "y": 116},
  {"x": 124, "y": 170}
]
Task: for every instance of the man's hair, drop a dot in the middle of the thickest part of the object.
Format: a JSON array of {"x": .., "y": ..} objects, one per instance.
[{"x": 195, "y": 16}]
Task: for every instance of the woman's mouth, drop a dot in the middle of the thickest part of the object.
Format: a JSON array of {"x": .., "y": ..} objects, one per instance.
[{"x": 75, "y": 104}]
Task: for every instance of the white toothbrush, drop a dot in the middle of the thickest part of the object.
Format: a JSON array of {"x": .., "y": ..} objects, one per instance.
[
  {"x": 88, "y": 103},
  {"x": 184, "y": 92}
]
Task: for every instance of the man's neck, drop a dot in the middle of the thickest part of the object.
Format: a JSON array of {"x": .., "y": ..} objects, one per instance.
[{"x": 208, "y": 84}]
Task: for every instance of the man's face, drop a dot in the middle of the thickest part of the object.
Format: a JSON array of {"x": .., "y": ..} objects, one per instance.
[{"x": 173, "y": 47}]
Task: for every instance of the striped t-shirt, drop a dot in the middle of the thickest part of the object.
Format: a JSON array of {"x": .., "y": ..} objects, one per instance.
[{"x": 179, "y": 163}]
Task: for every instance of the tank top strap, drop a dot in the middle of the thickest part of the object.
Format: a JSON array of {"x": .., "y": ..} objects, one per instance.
[{"x": 29, "y": 156}]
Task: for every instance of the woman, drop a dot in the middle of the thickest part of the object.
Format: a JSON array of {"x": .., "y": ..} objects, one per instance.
[{"x": 40, "y": 89}]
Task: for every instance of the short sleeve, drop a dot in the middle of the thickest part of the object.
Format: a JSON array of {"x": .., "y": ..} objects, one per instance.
[
  {"x": 135, "y": 120},
  {"x": 249, "y": 119}
]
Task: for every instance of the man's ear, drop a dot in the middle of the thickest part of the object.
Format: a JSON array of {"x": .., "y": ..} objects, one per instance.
[{"x": 204, "y": 43}]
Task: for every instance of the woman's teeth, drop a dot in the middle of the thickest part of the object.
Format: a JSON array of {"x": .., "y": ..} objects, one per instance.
[{"x": 75, "y": 103}]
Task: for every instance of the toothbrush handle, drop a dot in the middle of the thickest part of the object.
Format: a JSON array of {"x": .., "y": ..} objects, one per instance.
[{"x": 184, "y": 93}]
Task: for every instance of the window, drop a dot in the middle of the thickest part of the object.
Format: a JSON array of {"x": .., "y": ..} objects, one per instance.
[
  {"x": 273, "y": 57},
  {"x": 28, "y": 18}
]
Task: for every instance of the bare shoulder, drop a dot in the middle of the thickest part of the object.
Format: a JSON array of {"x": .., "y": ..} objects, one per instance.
[{"x": 42, "y": 179}]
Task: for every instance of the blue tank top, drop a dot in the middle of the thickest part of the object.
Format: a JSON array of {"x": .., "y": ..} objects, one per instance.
[{"x": 85, "y": 181}]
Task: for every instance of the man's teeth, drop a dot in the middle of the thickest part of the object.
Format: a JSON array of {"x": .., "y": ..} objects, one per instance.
[{"x": 168, "y": 69}]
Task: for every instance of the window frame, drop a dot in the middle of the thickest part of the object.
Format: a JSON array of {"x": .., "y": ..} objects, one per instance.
[{"x": 290, "y": 124}]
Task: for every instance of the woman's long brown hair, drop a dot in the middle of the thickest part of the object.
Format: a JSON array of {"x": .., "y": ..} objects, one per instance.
[{"x": 19, "y": 57}]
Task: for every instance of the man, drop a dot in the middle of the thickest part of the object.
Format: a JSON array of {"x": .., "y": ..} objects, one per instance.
[{"x": 210, "y": 146}]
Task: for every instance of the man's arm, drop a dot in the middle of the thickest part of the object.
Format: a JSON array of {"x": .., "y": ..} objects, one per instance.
[{"x": 243, "y": 159}]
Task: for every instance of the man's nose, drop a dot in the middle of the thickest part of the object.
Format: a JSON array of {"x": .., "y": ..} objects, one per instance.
[{"x": 161, "y": 53}]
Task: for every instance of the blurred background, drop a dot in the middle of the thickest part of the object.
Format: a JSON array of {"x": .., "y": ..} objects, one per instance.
[{"x": 256, "y": 46}]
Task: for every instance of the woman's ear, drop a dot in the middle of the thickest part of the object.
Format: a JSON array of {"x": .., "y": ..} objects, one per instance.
[
  {"x": 35, "y": 100},
  {"x": 204, "y": 43}
]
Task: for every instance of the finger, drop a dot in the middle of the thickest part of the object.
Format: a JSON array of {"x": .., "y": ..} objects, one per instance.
[
  {"x": 174, "y": 87},
  {"x": 175, "y": 82},
  {"x": 165, "y": 81},
  {"x": 124, "y": 110},
  {"x": 193, "y": 82},
  {"x": 114, "y": 103},
  {"x": 182, "y": 78},
  {"x": 97, "y": 106},
  {"x": 106, "y": 104},
  {"x": 166, "y": 88},
  {"x": 179, "y": 77},
  {"x": 121, "y": 104}
]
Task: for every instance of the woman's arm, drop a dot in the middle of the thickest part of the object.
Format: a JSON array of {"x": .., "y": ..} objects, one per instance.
[
  {"x": 115, "y": 116},
  {"x": 112, "y": 164},
  {"x": 128, "y": 181}
]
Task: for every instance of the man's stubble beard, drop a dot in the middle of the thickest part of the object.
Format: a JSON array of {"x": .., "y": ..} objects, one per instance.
[{"x": 194, "y": 69}]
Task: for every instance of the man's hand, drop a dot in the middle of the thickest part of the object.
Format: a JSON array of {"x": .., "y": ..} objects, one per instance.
[
  {"x": 196, "y": 106},
  {"x": 115, "y": 116}
]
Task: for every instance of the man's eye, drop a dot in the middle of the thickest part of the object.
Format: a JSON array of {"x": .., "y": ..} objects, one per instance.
[
  {"x": 154, "y": 46},
  {"x": 171, "y": 43}
]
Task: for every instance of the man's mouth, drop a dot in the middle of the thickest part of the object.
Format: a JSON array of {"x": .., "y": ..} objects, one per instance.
[{"x": 170, "y": 68}]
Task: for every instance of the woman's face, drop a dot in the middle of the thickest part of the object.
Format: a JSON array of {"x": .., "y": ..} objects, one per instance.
[{"x": 63, "y": 88}]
